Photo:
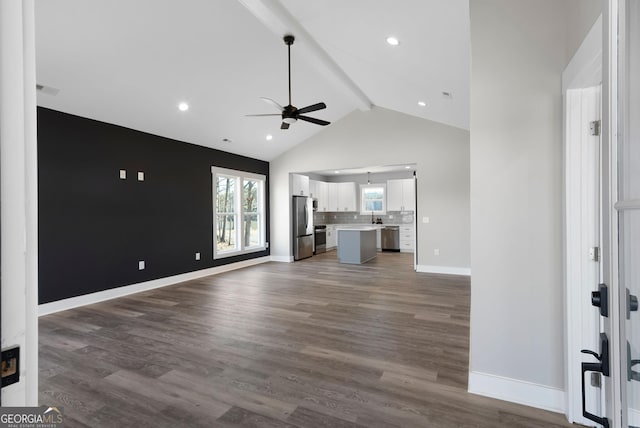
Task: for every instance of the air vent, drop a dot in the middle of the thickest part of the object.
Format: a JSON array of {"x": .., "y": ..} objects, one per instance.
[
  {"x": 47, "y": 89},
  {"x": 447, "y": 94}
]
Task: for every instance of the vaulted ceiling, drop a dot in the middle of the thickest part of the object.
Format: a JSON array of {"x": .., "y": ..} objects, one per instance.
[{"x": 131, "y": 62}]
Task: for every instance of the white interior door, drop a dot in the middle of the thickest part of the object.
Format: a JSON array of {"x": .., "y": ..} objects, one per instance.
[{"x": 582, "y": 244}]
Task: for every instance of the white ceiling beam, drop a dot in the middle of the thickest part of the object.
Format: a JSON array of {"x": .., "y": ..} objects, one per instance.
[{"x": 278, "y": 19}]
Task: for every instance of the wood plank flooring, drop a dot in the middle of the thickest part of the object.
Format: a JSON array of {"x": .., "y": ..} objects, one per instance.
[{"x": 306, "y": 344}]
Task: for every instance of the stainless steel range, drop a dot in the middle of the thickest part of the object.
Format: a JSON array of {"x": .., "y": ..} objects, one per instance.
[{"x": 320, "y": 241}]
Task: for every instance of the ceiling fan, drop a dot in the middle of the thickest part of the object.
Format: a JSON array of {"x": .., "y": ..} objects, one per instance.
[{"x": 290, "y": 113}]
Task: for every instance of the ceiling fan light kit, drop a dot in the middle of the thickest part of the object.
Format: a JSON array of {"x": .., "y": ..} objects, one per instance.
[{"x": 291, "y": 114}]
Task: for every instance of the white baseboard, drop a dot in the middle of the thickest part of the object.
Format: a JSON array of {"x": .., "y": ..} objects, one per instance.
[
  {"x": 100, "y": 296},
  {"x": 517, "y": 391},
  {"x": 282, "y": 259},
  {"x": 448, "y": 270}
]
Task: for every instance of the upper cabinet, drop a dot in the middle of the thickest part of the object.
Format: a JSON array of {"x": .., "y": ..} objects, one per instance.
[
  {"x": 299, "y": 185},
  {"x": 401, "y": 195},
  {"x": 322, "y": 189},
  {"x": 347, "y": 197},
  {"x": 332, "y": 197}
]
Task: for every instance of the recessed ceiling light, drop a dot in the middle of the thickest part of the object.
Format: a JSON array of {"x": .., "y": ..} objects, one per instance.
[
  {"x": 422, "y": 104},
  {"x": 183, "y": 106},
  {"x": 393, "y": 41},
  {"x": 269, "y": 137},
  {"x": 407, "y": 167},
  {"x": 336, "y": 171}
]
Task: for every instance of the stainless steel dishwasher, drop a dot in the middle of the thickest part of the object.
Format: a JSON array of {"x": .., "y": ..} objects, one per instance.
[{"x": 390, "y": 237}]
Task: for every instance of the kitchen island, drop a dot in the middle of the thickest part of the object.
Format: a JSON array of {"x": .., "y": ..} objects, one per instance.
[{"x": 356, "y": 245}]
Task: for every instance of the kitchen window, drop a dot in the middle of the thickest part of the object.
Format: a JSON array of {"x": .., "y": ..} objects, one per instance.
[
  {"x": 372, "y": 199},
  {"x": 238, "y": 212}
]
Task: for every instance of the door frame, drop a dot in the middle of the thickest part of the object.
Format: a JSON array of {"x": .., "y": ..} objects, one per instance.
[
  {"x": 584, "y": 71},
  {"x": 611, "y": 325}
]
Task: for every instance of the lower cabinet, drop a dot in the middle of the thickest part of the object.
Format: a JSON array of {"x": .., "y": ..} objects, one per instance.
[
  {"x": 332, "y": 238},
  {"x": 407, "y": 239}
]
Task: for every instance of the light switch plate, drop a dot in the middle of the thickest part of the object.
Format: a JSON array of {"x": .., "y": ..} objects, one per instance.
[
  {"x": 141, "y": 265},
  {"x": 436, "y": 251},
  {"x": 197, "y": 256},
  {"x": 123, "y": 174},
  {"x": 140, "y": 176},
  {"x": 425, "y": 219}
]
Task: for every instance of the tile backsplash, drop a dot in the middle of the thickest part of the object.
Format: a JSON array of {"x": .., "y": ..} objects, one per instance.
[{"x": 405, "y": 217}]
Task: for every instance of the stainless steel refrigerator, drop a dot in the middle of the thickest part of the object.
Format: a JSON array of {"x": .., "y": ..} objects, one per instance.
[{"x": 302, "y": 227}]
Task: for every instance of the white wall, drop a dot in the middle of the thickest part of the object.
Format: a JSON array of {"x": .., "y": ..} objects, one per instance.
[
  {"x": 385, "y": 137},
  {"x": 519, "y": 50}
]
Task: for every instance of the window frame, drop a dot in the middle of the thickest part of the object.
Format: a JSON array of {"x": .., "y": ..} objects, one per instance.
[
  {"x": 363, "y": 187},
  {"x": 240, "y": 178}
]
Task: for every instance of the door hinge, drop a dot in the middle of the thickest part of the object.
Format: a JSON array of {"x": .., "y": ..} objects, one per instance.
[
  {"x": 594, "y": 254},
  {"x": 594, "y": 127}
]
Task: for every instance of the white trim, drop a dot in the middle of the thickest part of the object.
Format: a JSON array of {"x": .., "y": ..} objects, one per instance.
[
  {"x": 239, "y": 177},
  {"x": 517, "y": 391},
  {"x": 282, "y": 259},
  {"x": 448, "y": 270},
  {"x": 101, "y": 296},
  {"x": 634, "y": 417}
]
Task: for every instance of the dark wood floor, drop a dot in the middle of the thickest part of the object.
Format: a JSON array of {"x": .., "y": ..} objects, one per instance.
[{"x": 306, "y": 344}]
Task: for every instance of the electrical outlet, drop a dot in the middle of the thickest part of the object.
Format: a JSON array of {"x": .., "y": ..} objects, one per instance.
[
  {"x": 425, "y": 219},
  {"x": 355, "y": 217},
  {"x": 123, "y": 174},
  {"x": 390, "y": 217},
  {"x": 140, "y": 176},
  {"x": 10, "y": 366},
  {"x": 141, "y": 265},
  {"x": 436, "y": 251},
  {"x": 197, "y": 256}
]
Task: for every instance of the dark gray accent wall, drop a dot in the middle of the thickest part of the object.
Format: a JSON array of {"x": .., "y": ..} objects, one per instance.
[{"x": 94, "y": 227}]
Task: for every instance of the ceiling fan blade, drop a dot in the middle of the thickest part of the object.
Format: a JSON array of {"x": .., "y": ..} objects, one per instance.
[
  {"x": 284, "y": 125},
  {"x": 273, "y": 103},
  {"x": 314, "y": 107},
  {"x": 267, "y": 114},
  {"x": 314, "y": 120}
]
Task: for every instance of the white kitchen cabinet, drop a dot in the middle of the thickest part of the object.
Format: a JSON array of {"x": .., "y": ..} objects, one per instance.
[
  {"x": 323, "y": 198},
  {"x": 401, "y": 195},
  {"x": 313, "y": 188},
  {"x": 407, "y": 238},
  {"x": 332, "y": 197},
  {"x": 347, "y": 197},
  {"x": 299, "y": 185},
  {"x": 332, "y": 238}
]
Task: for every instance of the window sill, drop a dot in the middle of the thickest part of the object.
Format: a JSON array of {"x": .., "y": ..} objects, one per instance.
[{"x": 226, "y": 254}]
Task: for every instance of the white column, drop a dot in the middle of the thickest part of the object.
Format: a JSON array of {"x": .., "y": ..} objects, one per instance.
[{"x": 18, "y": 196}]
